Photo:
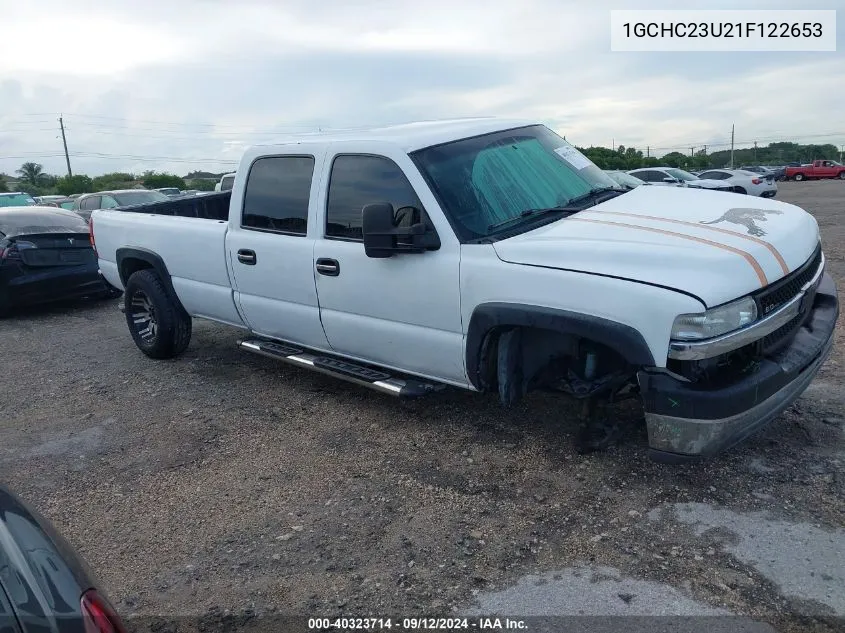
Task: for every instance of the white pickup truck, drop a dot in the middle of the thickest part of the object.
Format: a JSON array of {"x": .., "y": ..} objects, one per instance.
[{"x": 491, "y": 255}]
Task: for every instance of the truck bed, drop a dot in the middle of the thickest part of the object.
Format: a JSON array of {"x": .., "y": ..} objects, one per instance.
[
  {"x": 212, "y": 206},
  {"x": 189, "y": 235}
]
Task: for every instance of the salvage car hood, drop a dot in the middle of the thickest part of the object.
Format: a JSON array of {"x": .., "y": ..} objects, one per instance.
[{"x": 717, "y": 246}]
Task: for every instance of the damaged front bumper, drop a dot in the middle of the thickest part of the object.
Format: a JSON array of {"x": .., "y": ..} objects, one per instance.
[{"x": 688, "y": 421}]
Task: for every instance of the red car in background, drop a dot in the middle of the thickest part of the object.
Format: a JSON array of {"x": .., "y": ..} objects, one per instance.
[{"x": 817, "y": 169}]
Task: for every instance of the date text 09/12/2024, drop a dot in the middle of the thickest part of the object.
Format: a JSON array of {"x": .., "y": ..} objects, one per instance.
[{"x": 416, "y": 624}]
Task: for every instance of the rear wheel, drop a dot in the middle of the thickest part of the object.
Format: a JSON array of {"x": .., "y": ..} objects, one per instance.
[
  {"x": 842, "y": 175},
  {"x": 799, "y": 177},
  {"x": 740, "y": 190},
  {"x": 159, "y": 326}
]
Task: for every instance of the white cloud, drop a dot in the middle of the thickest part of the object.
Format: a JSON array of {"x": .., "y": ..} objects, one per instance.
[{"x": 188, "y": 84}]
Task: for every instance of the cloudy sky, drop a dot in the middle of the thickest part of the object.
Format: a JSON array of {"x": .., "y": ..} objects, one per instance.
[{"x": 185, "y": 84}]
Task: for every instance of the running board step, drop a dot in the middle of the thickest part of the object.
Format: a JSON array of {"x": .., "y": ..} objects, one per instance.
[{"x": 377, "y": 379}]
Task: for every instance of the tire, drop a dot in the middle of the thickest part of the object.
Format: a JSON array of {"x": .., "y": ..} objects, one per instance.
[
  {"x": 798, "y": 177},
  {"x": 842, "y": 175},
  {"x": 740, "y": 190},
  {"x": 159, "y": 326}
]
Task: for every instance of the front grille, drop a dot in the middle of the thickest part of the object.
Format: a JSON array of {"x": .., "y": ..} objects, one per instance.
[
  {"x": 780, "y": 292},
  {"x": 781, "y": 336},
  {"x": 727, "y": 367}
]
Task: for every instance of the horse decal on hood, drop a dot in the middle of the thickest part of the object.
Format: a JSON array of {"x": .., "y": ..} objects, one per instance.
[{"x": 746, "y": 217}]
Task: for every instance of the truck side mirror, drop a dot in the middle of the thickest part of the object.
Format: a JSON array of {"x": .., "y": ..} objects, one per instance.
[{"x": 387, "y": 232}]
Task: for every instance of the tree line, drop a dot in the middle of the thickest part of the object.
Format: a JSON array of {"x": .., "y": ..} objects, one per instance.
[
  {"x": 33, "y": 180},
  {"x": 626, "y": 158}
]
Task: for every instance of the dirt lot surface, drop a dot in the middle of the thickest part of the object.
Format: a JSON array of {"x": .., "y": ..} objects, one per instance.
[{"x": 227, "y": 481}]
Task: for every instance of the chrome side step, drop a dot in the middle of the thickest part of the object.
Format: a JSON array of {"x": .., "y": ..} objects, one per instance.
[{"x": 376, "y": 379}]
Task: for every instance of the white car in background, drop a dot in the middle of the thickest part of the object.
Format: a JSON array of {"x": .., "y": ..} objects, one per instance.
[
  {"x": 624, "y": 180},
  {"x": 226, "y": 182},
  {"x": 674, "y": 177},
  {"x": 744, "y": 181}
]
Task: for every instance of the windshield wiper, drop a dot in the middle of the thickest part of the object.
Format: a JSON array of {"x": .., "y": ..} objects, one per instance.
[
  {"x": 528, "y": 213},
  {"x": 575, "y": 204},
  {"x": 591, "y": 196}
]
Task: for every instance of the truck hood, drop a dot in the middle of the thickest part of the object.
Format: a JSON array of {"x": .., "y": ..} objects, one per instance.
[{"x": 716, "y": 246}]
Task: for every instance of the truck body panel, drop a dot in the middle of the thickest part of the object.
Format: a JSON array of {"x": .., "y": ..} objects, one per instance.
[
  {"x": 618, "y": 286},
  {"x": 665, "y": 235}
]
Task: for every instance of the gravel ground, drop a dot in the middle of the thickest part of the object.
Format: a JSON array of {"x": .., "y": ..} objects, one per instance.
[{"x": 227, "y": 481}]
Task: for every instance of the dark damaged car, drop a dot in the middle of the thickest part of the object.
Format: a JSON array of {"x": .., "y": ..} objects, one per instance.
[{"x": 46, "y": 256}]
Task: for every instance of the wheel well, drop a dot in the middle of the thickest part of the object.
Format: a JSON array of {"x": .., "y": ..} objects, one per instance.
[
  {"x": 547, "y": 329},
  {"x": 517, "y": 359},
  {"x": 131, "y": 265}
]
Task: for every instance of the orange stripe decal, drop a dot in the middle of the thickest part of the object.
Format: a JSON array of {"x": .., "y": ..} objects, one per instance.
[
  {"x": 757, "y": 240},
  {"x": 746, "y": 256}
]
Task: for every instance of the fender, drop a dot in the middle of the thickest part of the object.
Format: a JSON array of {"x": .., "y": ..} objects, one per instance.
[
  {"x": 149, "y": 257},
  {"x": 627, "y": 341}
]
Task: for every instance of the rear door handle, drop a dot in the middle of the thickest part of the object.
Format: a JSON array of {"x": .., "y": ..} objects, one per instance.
[
  {"x": 328, "y": 267},
  {"x": 246, "y": 256}
]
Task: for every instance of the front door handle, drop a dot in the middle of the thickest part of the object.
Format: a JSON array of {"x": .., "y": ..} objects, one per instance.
[
  {"x": 328, "y": 267},
  {"x": 246, "y": 256}
]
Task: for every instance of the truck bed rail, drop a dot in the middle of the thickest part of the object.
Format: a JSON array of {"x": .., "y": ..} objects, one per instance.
[{"x": 213, "y": 206}]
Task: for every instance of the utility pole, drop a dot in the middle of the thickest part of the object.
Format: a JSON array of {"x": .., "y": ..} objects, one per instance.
[
  {"x": 613, "y": 143},
  {"x": 732, "y": 145},
  {"x": 64, "y": 142},
  {"x": 691, "y": 151},
  {"x": 841, "y": 149},
  {"x": 755, "y": 152},
  {"x": 647, "y": 151}
]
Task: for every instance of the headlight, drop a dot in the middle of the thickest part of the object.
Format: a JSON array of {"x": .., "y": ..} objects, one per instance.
[{"x": 716, "y": 321}]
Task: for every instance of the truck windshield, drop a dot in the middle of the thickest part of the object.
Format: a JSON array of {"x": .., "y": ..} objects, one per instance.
[{"x": 485, "y": 182}]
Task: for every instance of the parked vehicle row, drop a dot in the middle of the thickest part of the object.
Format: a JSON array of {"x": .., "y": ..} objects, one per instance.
[
  {"x": 409, "y": 258},
  {"x": 46, "y": 256},
  {"x": 778, "y": 173},
  {"x": 734, "y": 180},
  {"x": 671, "y": 176},
  {"x": 16, "y": 199},
  {"x": 746, "y": 182},
  {"x": 89, "y": 202}
]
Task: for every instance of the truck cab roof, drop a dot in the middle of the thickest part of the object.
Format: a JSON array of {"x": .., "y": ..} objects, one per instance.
[{"x": 407, "y": 136}]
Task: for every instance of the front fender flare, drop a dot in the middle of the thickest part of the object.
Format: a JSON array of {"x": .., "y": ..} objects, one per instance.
[{"x": 624, "y": 339}]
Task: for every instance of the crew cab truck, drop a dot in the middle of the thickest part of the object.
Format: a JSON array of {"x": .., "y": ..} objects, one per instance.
[
  {"x": 492, "y": 256},
  {"x": 816, "y": 169}
]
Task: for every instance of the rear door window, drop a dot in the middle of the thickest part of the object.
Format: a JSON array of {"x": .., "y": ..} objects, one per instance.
[{"x": 278, "y": 190}]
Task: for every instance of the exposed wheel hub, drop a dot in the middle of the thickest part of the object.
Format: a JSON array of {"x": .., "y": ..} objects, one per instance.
[{"x": 143, "y": 315}]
